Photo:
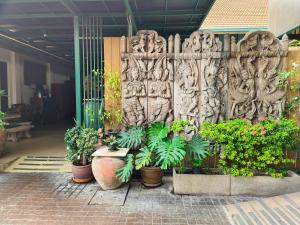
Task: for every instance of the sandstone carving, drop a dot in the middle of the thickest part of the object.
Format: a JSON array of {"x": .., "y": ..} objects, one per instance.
[
  {"x": 134, "y": 90},
  {"x": 201, "y": 78},
  {"x": 253, "y": 76}
]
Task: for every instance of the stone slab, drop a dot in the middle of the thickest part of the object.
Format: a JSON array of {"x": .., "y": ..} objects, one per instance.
[
  {"x": 201, "y": 184},
  {"x": 265, "y": 185},
  {"x": 115, "y": 197},
  {"x": 104, "y": 152}
]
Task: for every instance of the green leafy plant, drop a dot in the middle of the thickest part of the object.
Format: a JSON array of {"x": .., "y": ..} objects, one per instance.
[
  {"x": 249, "y": 148},
  {"x": 294, "y": 42},
  {"x": 170, "y": 152},
  {"x": 178, "y": 126},
  {"x": 125, "y": 172},
  {"x": 80, "y": 144},
  {"x": 156, "y": 132},
  {"x": 144, "y": 158},
  {"x": 113, "y": 113},
  {"x": 164, "y": 149},
  {"x": 287, "y": 81},
  {"x": 112, "y": 142},
  {"x": 132, "y": 138},
  {"x": 197, "y": 148}
]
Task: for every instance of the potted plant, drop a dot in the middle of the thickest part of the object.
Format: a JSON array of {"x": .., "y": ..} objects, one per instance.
[
  {"x": 112, "y": 142},
  {"x": 80, "y": 144},
  {"x": 104, "y": 168},
  {"x": 161, "y": 150}
]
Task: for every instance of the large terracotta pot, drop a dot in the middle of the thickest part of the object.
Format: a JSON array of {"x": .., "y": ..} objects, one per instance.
[
  {"x": 151, "y": 176},
  {"x": 3, "y": 137},
  {"x": 104, "y": 170},
  {"x": 82, "y": 174}
]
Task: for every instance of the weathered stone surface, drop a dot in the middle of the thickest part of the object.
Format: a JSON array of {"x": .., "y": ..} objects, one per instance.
[
  {"x": 230, "y": 185},
  {"x": 265, "y": 185},
  {"x": 201, "y": 79},
  {"x": 201, "y": 184},
  {"x": 255, "y": 61}
]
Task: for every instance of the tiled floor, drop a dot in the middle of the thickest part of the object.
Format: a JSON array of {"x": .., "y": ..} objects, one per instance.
[
  {"x": 283, "y": 209},
  {"x": 51, "y": 198},
  {"x": 46, "y": 141}
]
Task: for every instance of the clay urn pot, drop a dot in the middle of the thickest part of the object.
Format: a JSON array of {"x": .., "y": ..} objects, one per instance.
[
  {"x": 151, "y": 176},
  {"x": 104, "y": 170},
  {"x": 3, "y": 137},
  {"x": 82, "y": 174}
]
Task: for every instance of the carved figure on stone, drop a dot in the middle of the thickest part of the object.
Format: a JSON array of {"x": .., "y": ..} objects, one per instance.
[
  {"x": 202, "y": 41},
  {"x": 242, "y": 91},
  {"x": 134, "y": 89},
  {"x": 160, "y": 92},
  {"x": 270, "y": 101},
  {"x": 253, "y": 77},
  {"x": 211, "y": 104},
  {"x": 138, "y": 44},
  {"x": 188, "y": 75}
]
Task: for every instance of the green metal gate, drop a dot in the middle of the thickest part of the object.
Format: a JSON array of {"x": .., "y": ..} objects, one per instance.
[{"x": 88, "y": 44}]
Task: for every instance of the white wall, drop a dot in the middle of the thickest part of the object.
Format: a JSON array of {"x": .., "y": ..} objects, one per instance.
[
  {"x": 284, "y": 15},
  {"x": 18, "y": 92}
]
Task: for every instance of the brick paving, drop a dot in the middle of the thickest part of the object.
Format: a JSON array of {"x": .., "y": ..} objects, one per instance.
[{"x": 51, "y": 198}]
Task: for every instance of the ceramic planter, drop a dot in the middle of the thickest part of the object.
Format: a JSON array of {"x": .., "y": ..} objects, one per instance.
[
  {"x": 104, "y": 170},
  {"x": 151, "y": 176},
  {"x": 82, "y": 174}
]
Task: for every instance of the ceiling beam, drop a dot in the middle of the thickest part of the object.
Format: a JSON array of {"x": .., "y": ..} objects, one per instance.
[
  {"x": 22, "y": 45},
  {"x": 45, "y": 1},
  {"x": 130, "y": 15},
  {"x": 56, "y": 27},
  {"x": 113, "y": 14},
  {"x": 172, "y": 13},
  {"x": 70, "y": 6}
]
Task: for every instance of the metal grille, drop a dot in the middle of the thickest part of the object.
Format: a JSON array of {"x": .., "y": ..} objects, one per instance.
[{"x": 89, "y": 62}]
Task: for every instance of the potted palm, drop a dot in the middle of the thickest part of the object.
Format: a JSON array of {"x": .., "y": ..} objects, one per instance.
[{"x": 80, "y": 144}]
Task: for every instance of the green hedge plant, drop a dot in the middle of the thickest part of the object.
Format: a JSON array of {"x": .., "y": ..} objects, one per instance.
[{"x": 249, "y": 149}]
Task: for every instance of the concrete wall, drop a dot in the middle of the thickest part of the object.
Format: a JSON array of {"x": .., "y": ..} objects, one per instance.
[
  {"x": 18, "y": 92},
  {"x": 283, "y": 15}
]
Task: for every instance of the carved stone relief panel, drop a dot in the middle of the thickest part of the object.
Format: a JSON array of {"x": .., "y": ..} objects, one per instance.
[
  {"x": 201, "y": 79},
  {"x": 255, "y": 61},
  {"x": 134, "y": 90},
  {"x": 200, "y": 86}
]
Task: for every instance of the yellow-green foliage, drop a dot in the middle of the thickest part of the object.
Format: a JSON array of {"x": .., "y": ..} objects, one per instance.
[{"x": 249, "y": 148}]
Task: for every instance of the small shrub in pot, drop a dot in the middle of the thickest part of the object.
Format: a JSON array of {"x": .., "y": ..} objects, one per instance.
[{"x": 80, "y": 144}]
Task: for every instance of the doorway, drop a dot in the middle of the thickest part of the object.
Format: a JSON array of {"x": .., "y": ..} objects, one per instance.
[{"x": 3, "y": 86}]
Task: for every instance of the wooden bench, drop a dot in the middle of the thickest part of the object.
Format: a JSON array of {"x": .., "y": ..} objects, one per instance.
[{"x": 19, "y": 131}]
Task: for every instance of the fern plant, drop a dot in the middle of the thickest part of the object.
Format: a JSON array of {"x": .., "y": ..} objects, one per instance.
[{"x": 132, "y": 138}]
